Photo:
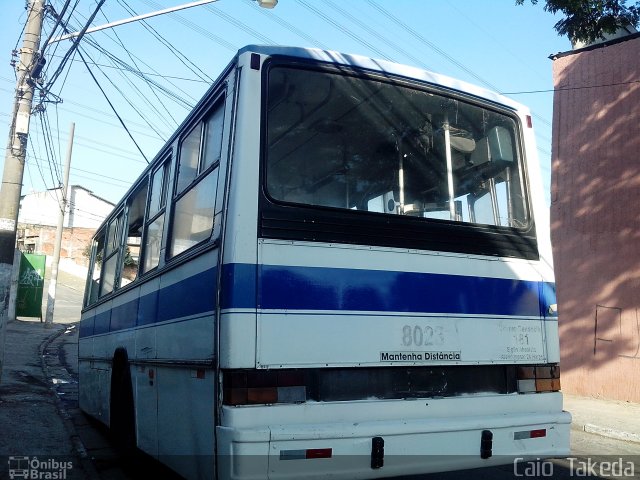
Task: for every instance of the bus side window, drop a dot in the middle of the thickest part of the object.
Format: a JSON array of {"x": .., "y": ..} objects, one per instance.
[
  {"x": 97, "y": 255},
  {"x": 193, "y": 214},
  {"x": 194, "y": 206},
  {"x": 110, "y": 263},
  {"x": 213, "y": 138},
  {"x": 189, "y": 158},
  {"x": 155, "y": 217},
  {"x": 130, "y": 258}
]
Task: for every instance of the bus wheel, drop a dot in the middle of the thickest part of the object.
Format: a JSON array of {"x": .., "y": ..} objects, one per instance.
[{"x": 122, "y": 414}]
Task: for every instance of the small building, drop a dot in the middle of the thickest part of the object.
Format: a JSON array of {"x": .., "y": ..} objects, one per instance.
[
  {"x": 38, "y": 219},
  {"x": 595, "y": 216}
]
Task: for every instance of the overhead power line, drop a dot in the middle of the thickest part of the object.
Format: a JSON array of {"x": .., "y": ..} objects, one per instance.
[
  {"x": 344, "y": 30},
  {"x": 82, "y": 56},
  {"x": 440, "y": 51},
  {"x": 374, "y": 33},
  {"x": 58, "y": 18},
  {"x": 150, "y": 84},
  {"x": 124, "y": 183},
  {"x": 418, "y": 36},
  {"x": 174, "y": 51},
  {"x": 92, "y": 143},
  {"x": 243, "y": 26},
  {"x": 75, "y": 45},
  {"x": 106, "y": 97},
  {"x": 121, "y": 66},
  {"x": 292, "y": 28},
  {"x": 148, "y": 74},
  {"x": 79, "y": 50},
  {"x": 196, "y": 28},
  {"x": 102, "y": 121},
  {"x": 582, "y": 87}
]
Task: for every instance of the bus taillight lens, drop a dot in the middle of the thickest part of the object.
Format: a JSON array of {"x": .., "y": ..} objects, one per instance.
[
  {"x": 255, "y": 387},
  {"x": 262, "y": 395},
  {"x": 538, "y": 378}
]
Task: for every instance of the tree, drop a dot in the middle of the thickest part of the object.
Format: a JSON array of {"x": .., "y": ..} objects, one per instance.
[{"x": 589, "y": 20}]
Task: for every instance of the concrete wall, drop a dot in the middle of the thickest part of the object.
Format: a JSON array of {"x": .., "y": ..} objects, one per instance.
[
  {"x": 40, "y": 208},
  {"x": 85, "y": 210},
  {"x": 595, "y": 218}
]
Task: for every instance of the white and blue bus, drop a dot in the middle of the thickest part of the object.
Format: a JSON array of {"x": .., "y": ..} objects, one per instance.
[{"x": 337, "y": 267}]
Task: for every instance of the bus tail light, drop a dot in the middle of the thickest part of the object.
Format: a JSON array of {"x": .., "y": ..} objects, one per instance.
[
  {"x": 254, "y": 387},
  {"x": 538, "y": 378},
  {"x": 309, "y": 453},
  {"x": 523, "y": 435}
]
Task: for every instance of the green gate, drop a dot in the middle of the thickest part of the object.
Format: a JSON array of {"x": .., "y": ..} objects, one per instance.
[{"x": 30, "y": 285}]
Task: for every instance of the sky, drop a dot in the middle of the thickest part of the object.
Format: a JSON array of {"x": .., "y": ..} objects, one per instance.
[{"x": 492, "y": 43}]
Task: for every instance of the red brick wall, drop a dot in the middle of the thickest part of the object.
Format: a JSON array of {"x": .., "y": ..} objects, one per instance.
[
  {"x": 74, "y": 241},
  {"x": 595, "y": 219}
]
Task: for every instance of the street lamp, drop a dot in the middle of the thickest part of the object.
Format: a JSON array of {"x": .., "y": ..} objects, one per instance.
[{"x": 267, "y": 3}]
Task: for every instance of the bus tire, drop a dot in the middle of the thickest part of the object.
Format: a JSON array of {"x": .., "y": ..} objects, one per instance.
[{"x": 122, "y": 412}]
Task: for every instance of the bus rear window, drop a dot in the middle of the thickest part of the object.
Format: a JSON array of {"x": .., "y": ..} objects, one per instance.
[{"x": 362, "y": 144}]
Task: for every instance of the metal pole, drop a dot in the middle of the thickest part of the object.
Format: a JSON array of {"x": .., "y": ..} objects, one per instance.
[
  {"x": 132, "y": 19},
  {"x": 15, "y": 157},
  {"x": 51, "y": 295},
  {"x": 13, "y": 295},
  {"x": 447, "y": 149}
]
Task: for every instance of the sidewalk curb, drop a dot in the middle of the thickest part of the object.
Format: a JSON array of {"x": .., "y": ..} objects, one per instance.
[
  {"x": 611, "y": 433},
  {"x": 81, "y": 452}
]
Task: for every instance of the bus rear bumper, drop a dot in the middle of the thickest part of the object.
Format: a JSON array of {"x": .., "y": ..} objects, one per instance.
[{"x": 410, "y": 447}]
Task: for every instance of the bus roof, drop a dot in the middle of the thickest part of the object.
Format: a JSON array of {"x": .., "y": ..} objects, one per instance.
[{"x": 360, "y": 61}]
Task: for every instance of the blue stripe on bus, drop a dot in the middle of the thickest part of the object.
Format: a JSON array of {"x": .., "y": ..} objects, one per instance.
[
  {"x": 148, "y": 309},
  {"x": 86, "y": 326},
  {"x": 315, "y": 288},
  {"x": 273, "y": 287},
  {"x": 193, "y": 295},
  {"x": 548, "y": 298},
  {"x": 239, "y": 285},
  {"x": 124, "y": 316},
  {"x": 102, "y": 321}
]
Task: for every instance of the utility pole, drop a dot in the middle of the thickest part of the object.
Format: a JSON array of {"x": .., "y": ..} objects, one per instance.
[
  {"x": 15, "y": 157},
  {"x": 51, "y": 295}
]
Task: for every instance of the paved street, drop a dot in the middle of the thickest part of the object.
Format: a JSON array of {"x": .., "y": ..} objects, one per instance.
[
  {"x": 32, "y": 418},
  {"x": 39, "y": 414}
]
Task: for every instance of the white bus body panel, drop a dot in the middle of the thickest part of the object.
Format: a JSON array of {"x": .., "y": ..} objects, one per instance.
[
  {"x": 430, "y": 437},
  {"x": 382, "y": 338}
]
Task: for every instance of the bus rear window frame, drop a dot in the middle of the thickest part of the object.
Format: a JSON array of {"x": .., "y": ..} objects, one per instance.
[{"x": 278, "y": 219}]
